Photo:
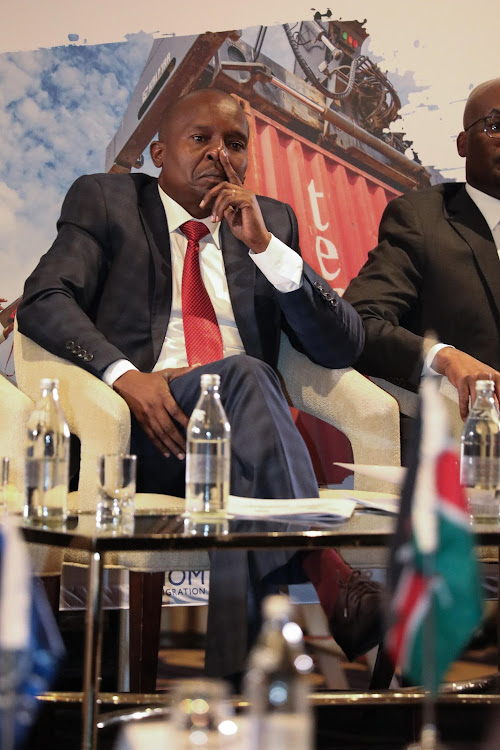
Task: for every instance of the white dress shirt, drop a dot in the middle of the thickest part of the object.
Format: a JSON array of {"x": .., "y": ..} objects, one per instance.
[
  {"x": 490, "y": 209},
  {"x": 281, "y": 265}
]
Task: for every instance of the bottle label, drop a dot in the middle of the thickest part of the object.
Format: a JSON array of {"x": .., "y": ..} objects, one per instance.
[
  {"x": 46, "y": 481},
  {"x": 211, "y": 469},
  {"x": 477, "y": 471},
  {"x": 282, "y": 731}
]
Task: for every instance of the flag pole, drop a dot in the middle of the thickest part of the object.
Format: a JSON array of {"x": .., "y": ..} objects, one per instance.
[
  {"x": 432, "y": 572},
  {"x": 429, "y": 737}
]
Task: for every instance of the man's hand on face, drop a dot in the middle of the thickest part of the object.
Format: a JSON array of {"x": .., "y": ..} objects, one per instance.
[
  {"x": 150, "y": 400},
  {"x": 462, "y": 371},
  {"x": 239, "y": 207}
]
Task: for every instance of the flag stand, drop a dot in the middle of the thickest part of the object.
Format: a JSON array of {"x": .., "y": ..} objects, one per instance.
[{"x": 8, "y": 698}]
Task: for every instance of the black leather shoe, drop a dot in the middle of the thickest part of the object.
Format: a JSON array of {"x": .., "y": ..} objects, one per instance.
[{"x": 356, "y": 623}]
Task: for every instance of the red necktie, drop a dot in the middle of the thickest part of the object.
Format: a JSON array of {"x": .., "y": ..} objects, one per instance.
[{"x": 201, "y": 330}]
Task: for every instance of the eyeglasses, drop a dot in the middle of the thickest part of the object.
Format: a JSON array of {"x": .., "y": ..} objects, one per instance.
[{"x": 491, "y": 125}]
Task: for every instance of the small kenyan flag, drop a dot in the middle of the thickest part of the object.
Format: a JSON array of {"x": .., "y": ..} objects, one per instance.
[{"x": 432, "y": 559}]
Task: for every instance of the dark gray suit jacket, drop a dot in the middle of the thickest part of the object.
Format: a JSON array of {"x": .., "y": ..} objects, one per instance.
[
  {"x": 435, "y": 268},
  {"x": 103, "y": 291}
]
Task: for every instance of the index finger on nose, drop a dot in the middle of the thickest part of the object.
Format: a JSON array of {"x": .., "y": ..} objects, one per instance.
[{"x": 228, "y": 168}]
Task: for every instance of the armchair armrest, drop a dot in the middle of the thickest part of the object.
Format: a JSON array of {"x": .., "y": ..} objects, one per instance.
[
  {"x": 366, "y": 414},
  {"x": 94, "y": 412},
  {"x": 15, "y": 408},
  {"x": 408, "y": 402}
]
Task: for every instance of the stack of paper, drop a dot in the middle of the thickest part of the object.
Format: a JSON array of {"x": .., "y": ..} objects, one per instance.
[{"x": 330, "y": 509}]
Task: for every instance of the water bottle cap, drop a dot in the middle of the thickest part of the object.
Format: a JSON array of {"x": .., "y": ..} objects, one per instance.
[
  {"x": 482, "y": 385},
  {"x": 210, "y": 380},
  {"x": 46, "y": 383},
  {"x": 276, "y": 606}
]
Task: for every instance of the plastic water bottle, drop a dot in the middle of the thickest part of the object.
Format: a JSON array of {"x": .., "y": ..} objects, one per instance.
[
  {"x": 276, "y": 684},
  {"x": 208, "y": 460},
  {"x": 47, "y": 460},
  {"x": 480, "y": 454}
]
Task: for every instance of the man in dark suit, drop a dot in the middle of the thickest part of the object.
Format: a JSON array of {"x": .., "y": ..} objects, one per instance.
[
  {"x": 111, "y": 293},
  {"x": 436, "y": 268}
]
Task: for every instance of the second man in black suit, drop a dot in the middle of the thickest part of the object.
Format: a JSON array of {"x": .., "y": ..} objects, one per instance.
[{"x": 437, "y": 268}]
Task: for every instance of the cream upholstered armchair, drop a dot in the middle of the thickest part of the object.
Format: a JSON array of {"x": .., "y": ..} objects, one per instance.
[
  {"x": 367, "y": 415},
  {"x": 15, "y": 409},
  {"x": 94, "y": 412},
  {"x": 408, "y": 402},
  {"x": 100, "y": 418}
]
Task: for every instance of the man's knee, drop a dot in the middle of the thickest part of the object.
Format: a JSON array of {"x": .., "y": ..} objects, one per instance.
[{"x": 248, "y": 368}]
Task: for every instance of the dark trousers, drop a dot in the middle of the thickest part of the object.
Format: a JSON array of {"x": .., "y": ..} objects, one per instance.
[{"x": 268, "y": 459}]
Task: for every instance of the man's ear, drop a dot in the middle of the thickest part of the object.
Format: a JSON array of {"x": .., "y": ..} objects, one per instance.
[
  {"x": 462, "y": 143},
  {"x": 156, "y": 151}
]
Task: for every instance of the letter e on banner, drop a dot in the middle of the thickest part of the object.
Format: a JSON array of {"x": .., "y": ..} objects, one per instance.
[{"x": 329, "y": 253}]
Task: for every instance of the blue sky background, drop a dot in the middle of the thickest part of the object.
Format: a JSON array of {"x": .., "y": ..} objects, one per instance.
[{"x": 58, "y": 110}]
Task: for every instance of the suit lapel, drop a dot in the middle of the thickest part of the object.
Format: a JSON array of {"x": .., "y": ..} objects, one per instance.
[
  {"x": 240, "y": 274},
  {"x": 468, "y": 221},
  {"x": 156, "y": 229}
]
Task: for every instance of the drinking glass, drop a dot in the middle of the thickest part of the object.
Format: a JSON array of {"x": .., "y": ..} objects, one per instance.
[
  {"x": 4, "y": 481},
  {"x": 203, "y": 716},
  {"x": 116, "y": 484}
]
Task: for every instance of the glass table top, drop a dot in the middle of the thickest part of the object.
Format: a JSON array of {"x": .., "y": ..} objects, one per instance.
[
  {"x": 157, "y": 531},
  {"x": 162, "y": 531}
]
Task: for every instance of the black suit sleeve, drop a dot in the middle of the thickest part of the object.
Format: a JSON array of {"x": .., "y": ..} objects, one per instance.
[
  {"x": 386, "y": 293},
  {"x": 318, "y": 322},
  {"x": 61, "y": 294}
]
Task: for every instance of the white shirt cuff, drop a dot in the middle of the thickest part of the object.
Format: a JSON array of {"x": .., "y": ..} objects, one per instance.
[
  {"x": 116, "y": 370},
  {"x": 427, "y": 368},
  {"x": 281, "y": 265}
]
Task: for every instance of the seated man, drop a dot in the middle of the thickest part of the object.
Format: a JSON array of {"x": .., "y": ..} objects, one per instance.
[
  {"x": 436, "y": 268},
  {"x": 151, "y": 283}
]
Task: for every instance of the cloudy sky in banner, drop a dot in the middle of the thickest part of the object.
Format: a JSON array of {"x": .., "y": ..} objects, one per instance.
[
  {"x": 60, "y": 106},
  {"x": 58, "y": 110}
]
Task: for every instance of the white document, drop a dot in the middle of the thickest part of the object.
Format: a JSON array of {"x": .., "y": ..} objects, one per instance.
[
  {"x": 338, "y": 509},
  {"x": 389, "y": 504}
]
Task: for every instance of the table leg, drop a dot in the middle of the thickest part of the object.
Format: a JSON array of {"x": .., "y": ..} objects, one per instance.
[
  {"x": 498, "y": 611},
  {"x": 93, "y": 645}
]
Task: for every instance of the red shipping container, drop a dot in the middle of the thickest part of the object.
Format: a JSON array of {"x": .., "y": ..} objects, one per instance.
[{"x": 338, "y": 207}]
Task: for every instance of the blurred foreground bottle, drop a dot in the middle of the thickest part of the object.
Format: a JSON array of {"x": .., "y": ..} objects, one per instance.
[
  {"x": 208, "y": 460},
  {"x": 480, "y": 455},
  {"x": 276, "y": 684},
  {"x": 47, "y": 460}
]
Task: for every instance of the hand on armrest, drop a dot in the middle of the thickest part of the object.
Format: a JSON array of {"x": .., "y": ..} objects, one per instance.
[{"x": 462, "y": 371}]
